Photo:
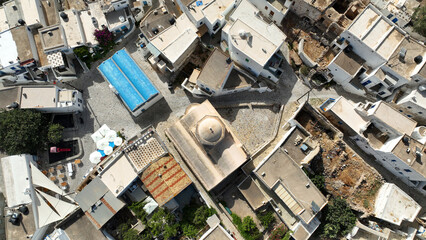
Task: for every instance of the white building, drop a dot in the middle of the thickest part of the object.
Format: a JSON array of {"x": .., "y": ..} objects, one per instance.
[
  {"x": 413, "y": 103},
  {"x": 220, "y": 76},
  {"x": 210, "y": 13},
  {"x": 49, "y": 99},
  {"x": 172, "y": 46},
  {"x": 32, "y": 12},
  {"x": 385, "y": 133},
  {"x": 274, "y": 10},
  {"x": 394, "y": 205},
  {"x": 399, "y": 12},
  {"x": 377, "y": 56},
  {"x": 253, "y": 43}
]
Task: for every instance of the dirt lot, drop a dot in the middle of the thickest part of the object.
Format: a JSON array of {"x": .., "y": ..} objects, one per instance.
[
  {"x": 345, "y": 173},
  {"x": 296, "y": 29}
]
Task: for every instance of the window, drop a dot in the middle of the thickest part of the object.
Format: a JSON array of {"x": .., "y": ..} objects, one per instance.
[
  {"x": 271, "y": 13},
  {"x": 393, "y": 160},
  {"x": 247, "y": 60},
  {"x": 408, "y": 115},
  {"x": 407, "y": 170},
  {"x": 420, "y": 112},
  {"x": 409, "y": 107},
  {"x": 390, "y": 16},
  {"x": 400, "y": 110},
  {"x": 13, "y": 68},
  {"x": 366, "y": 82},
  {"x": 266, "y": 7},
  {"x": 381, "y": 93}
]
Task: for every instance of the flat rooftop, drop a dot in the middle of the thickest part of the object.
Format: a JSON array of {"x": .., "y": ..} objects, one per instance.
[
  {"x": 293, "y": 184},
  {"x": 165, "y": 179},
  {"x": 211, "y": 10},
  {"x": 176, "y": 39},
  {"x": 294, "y": 143},
  {"x": 237, "y": 79},
  {"x": 71, "y": 28},
  {"x": 216, "y": 233},
  {"x": 8, "y": 95},
  {"x": 8, "y": 48},
  {"x": 258, "y": 46},
  {"x": 156, "y": 23},
  {"x": 98, "y": 203},
  {"x": 252, "y": 193},
  {"x": 15, "y": 178},
  {"x": 89, "y": 26},
  {"x": 20, "y": 35},
  {"x": 30, "y": 12},
  {"x": 410, "y": 157},
  {"x": 320, "y": 4},
  {"x": 118, "y": 174},
  {"x": 393, "y": 118},
  {"x": 394, "y": 205},
  {"x": 113, "y": 18},
  {"x": 52, "y": 38},
  {"x": 350, "y": 62},
  {"x": 279, "y": 5},
  {"x": 261, "y": 39},
  {"x": 38, "y": 97},
  {"x": 407, "y": 66},
  {"x": 376, "y": 31},
  {"x": 3, "y": 20},
  {"x": 345, "y": 110},
  {"x": 13, "y": 12},
  {"x": 215, "y": 70}
]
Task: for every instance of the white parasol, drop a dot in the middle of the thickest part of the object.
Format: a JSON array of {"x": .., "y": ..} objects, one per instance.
[
  {"x": 110, "y": 135},
  {"x": 104, "y": 129},
  {"x": 97, "y": 136},
  {"x": 108, "y": 150},
  {"x": 102, "y": 144},
  {"x": 118, "y": 141},
  {"x": 95, "y": 157}
]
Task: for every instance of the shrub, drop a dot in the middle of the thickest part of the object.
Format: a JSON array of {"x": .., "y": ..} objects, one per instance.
[
  {"x": 279, "y": 232},
  {"x": 304, "y": 70},
  {"x": 105, "y": 38},
  {"x": 419, "y": 20},
  {"x": 54, "y": 134},
  {"x": 246, "y": 227},
  {"x": 267, "y": 219}
]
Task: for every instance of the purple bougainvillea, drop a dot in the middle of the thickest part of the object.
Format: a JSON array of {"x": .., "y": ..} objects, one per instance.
[{"x": 104, "y": 37}]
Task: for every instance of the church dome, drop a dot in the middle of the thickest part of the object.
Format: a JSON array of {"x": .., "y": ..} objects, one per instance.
[{"x": 210, "y": 130}]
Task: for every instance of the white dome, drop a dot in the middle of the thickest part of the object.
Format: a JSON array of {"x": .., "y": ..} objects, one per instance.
[{"x": 210, "y": 130}]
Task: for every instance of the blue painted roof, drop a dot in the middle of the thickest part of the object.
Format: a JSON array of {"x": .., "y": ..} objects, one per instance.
[{"x": 132, "y": 84}]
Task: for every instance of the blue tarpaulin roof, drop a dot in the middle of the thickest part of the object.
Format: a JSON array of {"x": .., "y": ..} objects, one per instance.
[{"x": 132, "y": 84}]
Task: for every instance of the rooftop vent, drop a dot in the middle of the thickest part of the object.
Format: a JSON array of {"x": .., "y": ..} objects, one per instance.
[
  {"x": 63, "y": 16},
  {"x": 172, "y": 21},
  {"x": 402, "y": 54},
  {"x": 418, "y": 59},
  {"x": 406, "y": 140},
  {"x": 21, "y": 21}
]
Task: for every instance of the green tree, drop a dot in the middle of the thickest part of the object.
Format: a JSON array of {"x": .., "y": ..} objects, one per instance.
[
  {"x": 419, "y": 20},
  {"x": 279, "y": 232},
  {"x": 22, "y": 131},
  {"x": 248, "y": 224},
  {"x": 137, "y": 208},
  {"x": 131, "y": 234},
  {"x": 163, "y": 223},
  {"x": 339, "y": 219},
  {"x": 54, "y": 134},
  {"x": 201, "y": 215},
  {"x": 189, "y": 230},
  {"x": 304, "y": 70},
  {"x": 267, "y": 219}
]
